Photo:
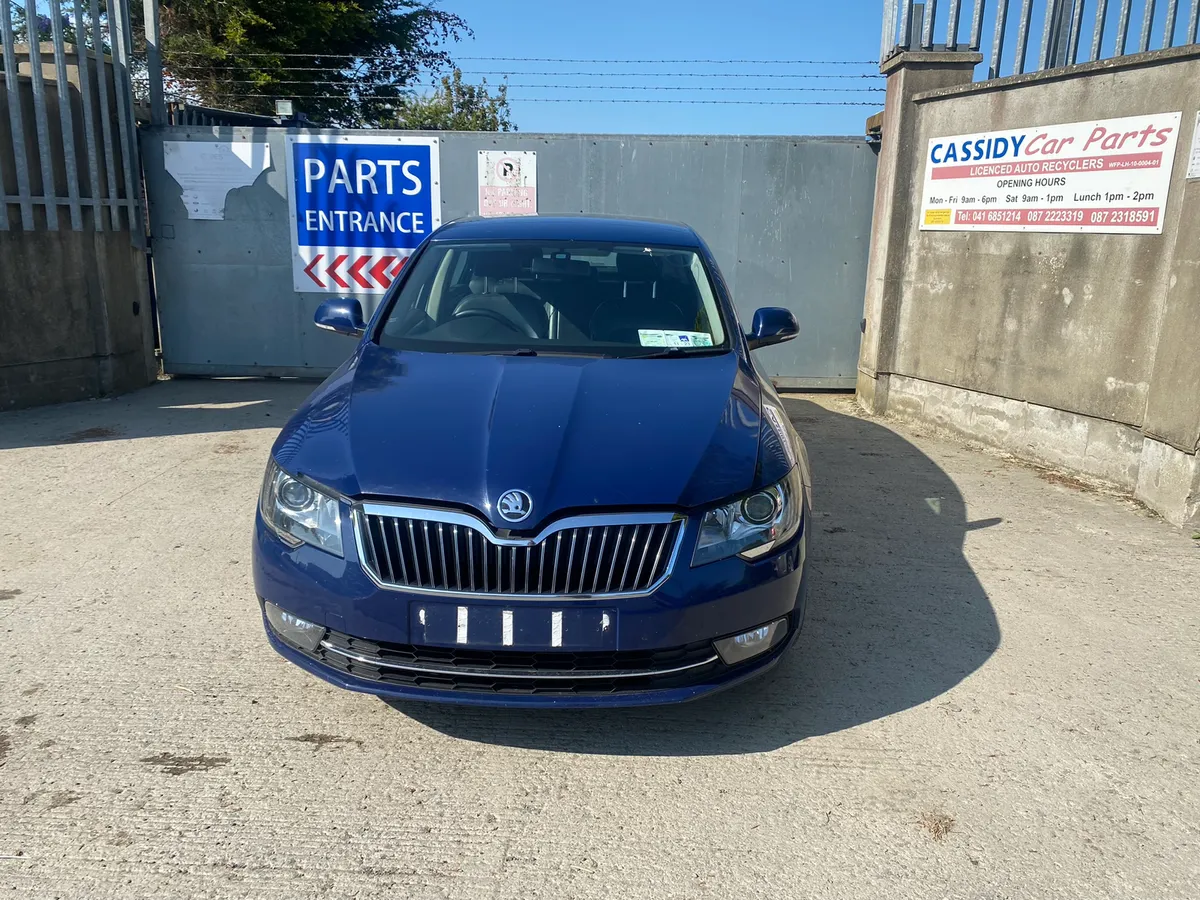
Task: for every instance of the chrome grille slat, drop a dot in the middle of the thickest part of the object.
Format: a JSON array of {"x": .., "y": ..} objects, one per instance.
[
  {"x": 412, "y": 542},
  {"x": 369, "y": 547},
  {"x": 484, "y": 554},
  {"x": 457, "y": 563},
  {"x": 629, "y": 556},
  {"x": 599, "y": 557},
  {"x": 570, "y": 559},
  {"x": 557, "y": 551},
  {"x": 442, "y": 550},
  {"x": 384, "y": 556},
  {"x": 428, "y": 553},
  {"x": 613, "y": 568},
  {"x": 587, "y": 548},
  {"x": 471, "y": 555},
  {"x": 658, "y": 556},
  {"x": 398, "y": 550},
  {"x": 645, "y": 552}
]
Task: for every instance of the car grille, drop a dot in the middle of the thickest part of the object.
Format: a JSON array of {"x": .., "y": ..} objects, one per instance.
[
  {"x": 517, "y": 672},
  {"x": 412, "y": 550}
]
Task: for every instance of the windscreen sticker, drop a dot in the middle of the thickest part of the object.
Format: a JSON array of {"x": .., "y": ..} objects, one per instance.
[{"x": 651, "y": 337}]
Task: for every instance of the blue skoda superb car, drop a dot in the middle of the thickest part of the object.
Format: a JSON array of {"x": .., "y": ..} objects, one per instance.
[{"x": 549, "y": 475}]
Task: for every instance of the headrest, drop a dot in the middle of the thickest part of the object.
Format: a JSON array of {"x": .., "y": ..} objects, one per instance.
[
  {"x": 495, "y": 264},
  {"x": 637, "y": 267}
]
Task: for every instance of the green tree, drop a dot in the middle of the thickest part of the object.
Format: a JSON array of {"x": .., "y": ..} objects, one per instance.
[
  {"x": 344, "y": 62},
  {"x": 457, "y": 106},
  {"x": 20, "y": 26}
]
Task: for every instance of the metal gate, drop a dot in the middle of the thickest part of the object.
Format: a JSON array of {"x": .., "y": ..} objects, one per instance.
[{"x": 789, "y": 219}]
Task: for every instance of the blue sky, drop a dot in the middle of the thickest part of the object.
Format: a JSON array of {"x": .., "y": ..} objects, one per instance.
[
  {"x": 825, "y": 30},
  {"x": 678, "y": 29}
]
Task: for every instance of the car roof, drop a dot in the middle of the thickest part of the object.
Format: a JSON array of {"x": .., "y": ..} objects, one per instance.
[{"x": 605, "y": 229}]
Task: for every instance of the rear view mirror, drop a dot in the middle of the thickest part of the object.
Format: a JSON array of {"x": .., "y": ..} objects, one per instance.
[
  {"x": 772, "y": 325},
  {"x": 341, "y": 316}
]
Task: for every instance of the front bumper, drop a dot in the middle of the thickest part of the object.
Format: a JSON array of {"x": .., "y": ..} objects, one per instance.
[{"x": 663, "y": 649}]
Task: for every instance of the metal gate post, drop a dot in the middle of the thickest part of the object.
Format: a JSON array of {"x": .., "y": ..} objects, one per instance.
[
  {"x": 16, "y": 122},
  {"x": 154, "y": 70}
]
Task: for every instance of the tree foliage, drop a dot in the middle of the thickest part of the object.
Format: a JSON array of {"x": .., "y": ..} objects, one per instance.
[
  {"x": 344, "y": 62},
  {"x": 18, "y": 20},
  {"x": 457, "y": 106}
]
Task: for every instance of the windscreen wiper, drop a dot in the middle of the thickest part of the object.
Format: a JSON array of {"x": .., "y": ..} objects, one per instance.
[
  {"x": 679, "y": 351},
  {"x": 527, "y": 351}
]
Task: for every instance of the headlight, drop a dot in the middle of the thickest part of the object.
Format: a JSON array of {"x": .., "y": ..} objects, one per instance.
[
  {"x": 753, "y": 525},
  {"x": 300, "y": 513}
]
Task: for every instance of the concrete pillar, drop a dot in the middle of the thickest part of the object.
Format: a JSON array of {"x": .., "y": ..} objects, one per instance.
[{"x": 897, "y": 193}]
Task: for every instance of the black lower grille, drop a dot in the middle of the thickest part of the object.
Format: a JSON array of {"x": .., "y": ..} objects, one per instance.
[{"x": 518, "y": 672}]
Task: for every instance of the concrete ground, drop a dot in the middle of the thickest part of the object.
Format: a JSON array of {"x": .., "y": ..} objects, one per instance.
[{"x": 995, "y": 696}]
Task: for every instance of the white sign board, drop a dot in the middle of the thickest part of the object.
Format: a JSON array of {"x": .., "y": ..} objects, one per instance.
[
  {"x": 208, "y": 170},
  {"x": 1193, "y": 170},
  {"x": 1109, "y": 176},
  {"x": 507, "y": 183}
]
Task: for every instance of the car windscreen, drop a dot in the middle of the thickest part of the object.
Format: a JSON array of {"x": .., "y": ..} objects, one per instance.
[{"x": 571, "y": 298}]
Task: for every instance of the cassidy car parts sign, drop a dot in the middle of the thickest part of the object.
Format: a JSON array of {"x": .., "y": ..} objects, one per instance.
[
  {"x": 360, "y": 205},
  {"x": 1109, "y": 176}
]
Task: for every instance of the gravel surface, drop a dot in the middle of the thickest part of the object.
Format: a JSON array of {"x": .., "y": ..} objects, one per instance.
[{"x": 995, "y": 695}]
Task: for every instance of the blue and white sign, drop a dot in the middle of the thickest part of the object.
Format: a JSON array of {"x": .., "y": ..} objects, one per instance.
[{"x": 360, "y": 205}]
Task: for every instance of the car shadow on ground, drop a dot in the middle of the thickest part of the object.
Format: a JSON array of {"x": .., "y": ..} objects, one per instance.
[
  {"x": 171, "y": 407},
  {"x": 896, "y": 618}
]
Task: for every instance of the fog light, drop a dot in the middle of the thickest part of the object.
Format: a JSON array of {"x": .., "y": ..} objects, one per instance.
[
  {"x": 750, "y": 643},
  {"x": 304, "y": 634}
]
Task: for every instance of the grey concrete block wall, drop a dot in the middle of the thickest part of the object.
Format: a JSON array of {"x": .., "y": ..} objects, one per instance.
[
  {"x": 1077, "y": 350},
  {"x": 75, "y": 317},
  {"x": 1169, "y": 416},
  {"x": 1070, "y": 321}
]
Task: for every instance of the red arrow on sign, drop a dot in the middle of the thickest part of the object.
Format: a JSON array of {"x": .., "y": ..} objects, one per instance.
[
  {"x": 378, "y": 273},
  {"x": 332, "y": 271},
  {"x": 308, "y": 270},
  {"x": 356, "y": 271},
  {"x": 399, "y": 266}
]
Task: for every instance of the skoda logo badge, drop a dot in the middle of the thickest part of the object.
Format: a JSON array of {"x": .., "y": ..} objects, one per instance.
[{"x": 515, "y": 506}]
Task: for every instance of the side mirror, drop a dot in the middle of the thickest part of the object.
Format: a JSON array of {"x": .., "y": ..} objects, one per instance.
[
  {"x": 342, "y": 316},
  {"x": 772, "y": 325}
]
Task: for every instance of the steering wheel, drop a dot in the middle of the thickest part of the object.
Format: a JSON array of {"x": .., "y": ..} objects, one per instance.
[{"x": 523, "y": 328}]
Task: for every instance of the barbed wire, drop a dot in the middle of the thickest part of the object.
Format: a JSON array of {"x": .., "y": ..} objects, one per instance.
[
  {"x": 560, "y": 59},
  {"x": 227, "y": 66},
  {"x": 586, "y": 87},
  {"x": 394, "y": 99},
  {"x": 706, "y": 62}
]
